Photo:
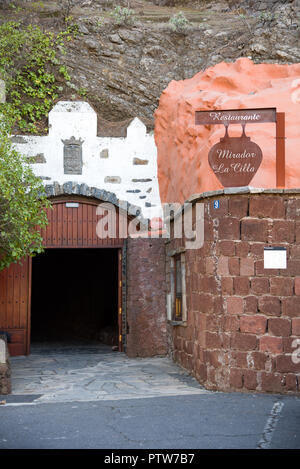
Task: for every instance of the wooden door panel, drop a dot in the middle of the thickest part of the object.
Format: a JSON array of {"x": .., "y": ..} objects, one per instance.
[
  {"x": 18, "y": 342},
  {"x": 75, "y": 227},
  {"x": 14, "y": 305}
]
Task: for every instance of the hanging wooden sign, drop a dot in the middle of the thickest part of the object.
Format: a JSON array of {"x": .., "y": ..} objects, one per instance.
[{"x": 235, "y": 160}]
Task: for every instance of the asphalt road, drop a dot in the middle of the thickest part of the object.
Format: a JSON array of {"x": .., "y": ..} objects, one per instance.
[{"x": 211, "y": 421}]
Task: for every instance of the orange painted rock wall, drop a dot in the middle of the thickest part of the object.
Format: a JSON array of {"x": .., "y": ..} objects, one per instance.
[{"x": 183, "y": 168}]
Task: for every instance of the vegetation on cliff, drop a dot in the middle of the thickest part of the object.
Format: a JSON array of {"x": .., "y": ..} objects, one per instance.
[
  {"x": 22, "y": 204},
  {"x": 125, "y": 53}
]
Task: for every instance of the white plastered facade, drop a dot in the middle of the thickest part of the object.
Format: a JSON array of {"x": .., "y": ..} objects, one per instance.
[{"x": 126, "y": 166}]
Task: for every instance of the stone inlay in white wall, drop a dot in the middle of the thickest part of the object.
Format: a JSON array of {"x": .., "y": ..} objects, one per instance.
[{"x": 107, "y": 163}]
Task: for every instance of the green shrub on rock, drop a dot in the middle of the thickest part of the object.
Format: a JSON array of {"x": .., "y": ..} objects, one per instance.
[
  {"x": 123, "y": 16},
  {"x": 179, "y": 23}
]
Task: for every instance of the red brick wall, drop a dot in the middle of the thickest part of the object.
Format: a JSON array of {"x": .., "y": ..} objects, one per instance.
[
  {"x": 146, "y": 298},
  {"x": 242, "y": 318}
]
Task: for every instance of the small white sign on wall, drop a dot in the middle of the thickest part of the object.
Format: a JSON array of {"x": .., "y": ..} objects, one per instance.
[{"x": 274, "y": 258}]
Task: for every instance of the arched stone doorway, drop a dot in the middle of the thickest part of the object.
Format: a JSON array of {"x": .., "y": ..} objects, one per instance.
[
  {"x": 141, "y": 302},
  {"x": 72, "y": 230}
]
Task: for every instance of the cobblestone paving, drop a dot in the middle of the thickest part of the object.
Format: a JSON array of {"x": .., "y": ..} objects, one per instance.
[{"x": 92, "y": 373}]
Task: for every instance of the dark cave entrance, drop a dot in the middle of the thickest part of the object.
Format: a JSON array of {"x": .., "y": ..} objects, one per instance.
[{"x": 75, "y": 296}]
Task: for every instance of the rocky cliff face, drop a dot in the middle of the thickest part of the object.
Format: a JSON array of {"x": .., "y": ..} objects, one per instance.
[{"x": 124, "y": 69}]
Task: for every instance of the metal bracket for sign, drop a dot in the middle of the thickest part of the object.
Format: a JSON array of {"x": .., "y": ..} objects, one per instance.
[
  {"x": 280, "y": 149},
  {"x": 251, "y": 116}
]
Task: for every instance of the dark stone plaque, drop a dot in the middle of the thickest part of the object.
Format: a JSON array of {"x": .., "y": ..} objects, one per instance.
[
  {"x": 235, "y": 160},
  {"x": 72, "y": 156}
]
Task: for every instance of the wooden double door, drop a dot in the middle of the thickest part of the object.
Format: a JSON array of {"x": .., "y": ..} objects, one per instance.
[{"x": 72, "y": 224}]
